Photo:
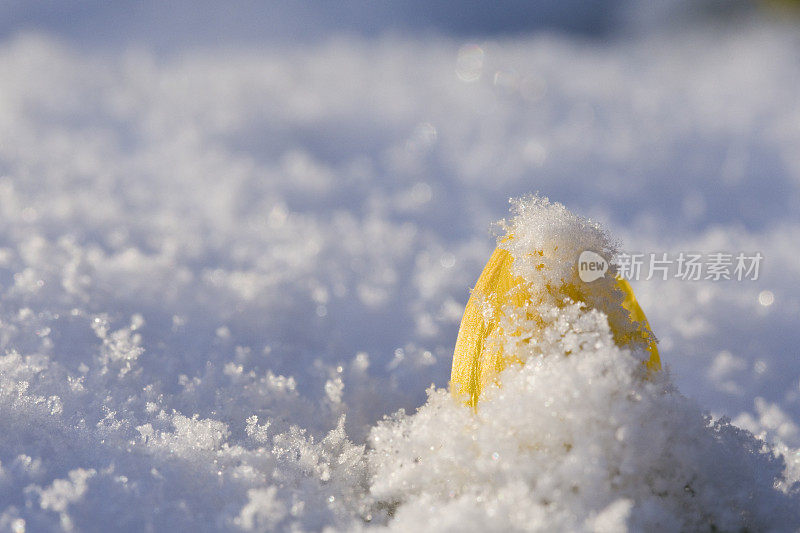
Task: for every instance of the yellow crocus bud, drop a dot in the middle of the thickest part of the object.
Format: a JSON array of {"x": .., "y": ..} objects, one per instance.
[{"x": 477, "y": 360}]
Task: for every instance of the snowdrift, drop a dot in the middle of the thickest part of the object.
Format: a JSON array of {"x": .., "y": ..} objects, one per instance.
[{"x": 580, "y": 436}]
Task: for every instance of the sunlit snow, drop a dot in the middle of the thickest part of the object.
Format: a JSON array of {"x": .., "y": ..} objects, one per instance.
[{"x": 222, "y": 267}]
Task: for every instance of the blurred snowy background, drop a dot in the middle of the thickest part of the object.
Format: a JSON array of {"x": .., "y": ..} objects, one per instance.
[{"x": 222, "y": 220}]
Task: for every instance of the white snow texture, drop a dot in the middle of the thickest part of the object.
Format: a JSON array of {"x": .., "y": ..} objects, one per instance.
[{"x": 232, "y": 273}]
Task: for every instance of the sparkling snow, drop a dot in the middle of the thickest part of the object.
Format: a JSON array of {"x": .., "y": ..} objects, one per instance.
[{"x": 222, "y": 266}]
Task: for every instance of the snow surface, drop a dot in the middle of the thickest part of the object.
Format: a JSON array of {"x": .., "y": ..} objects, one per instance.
[{"x": 222, "y": 266}]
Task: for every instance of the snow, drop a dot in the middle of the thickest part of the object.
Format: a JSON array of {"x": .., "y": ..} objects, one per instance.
[
  {"x": 574, "y": 443},
  {"x": 581, "y": 437},
  {"x": 223, "y": 264}
]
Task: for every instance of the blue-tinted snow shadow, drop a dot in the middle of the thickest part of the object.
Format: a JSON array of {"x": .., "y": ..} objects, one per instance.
[{"x": 178, "y": 24}]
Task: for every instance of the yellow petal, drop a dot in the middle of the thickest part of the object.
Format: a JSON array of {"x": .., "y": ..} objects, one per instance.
[
  {"x": 476, "y": 360},
  {"x": 637, "y": 315}
]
